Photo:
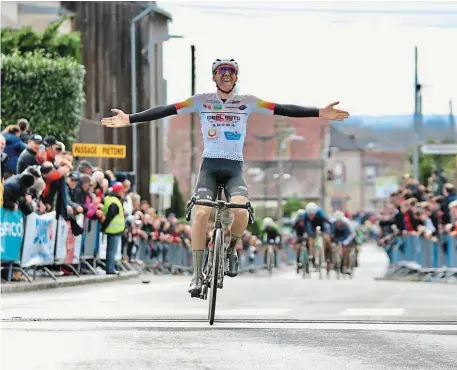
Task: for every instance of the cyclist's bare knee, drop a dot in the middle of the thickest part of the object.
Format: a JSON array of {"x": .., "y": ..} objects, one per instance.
[
  {"x": 202, "y": 214},
  {"x": 240, "y": 216}
]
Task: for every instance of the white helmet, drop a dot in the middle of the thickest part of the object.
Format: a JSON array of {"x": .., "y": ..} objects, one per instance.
[
  {"x": 223, "y": 62},
  {"x": 339, "y": 216},
  {"x": 312, "y": 207},
  {"x": 267, "y": 221}
]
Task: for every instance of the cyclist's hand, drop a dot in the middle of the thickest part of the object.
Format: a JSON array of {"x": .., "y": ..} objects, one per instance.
[
  {"x": 330, "y": 113},
  {"x": 119, "y": 120}
]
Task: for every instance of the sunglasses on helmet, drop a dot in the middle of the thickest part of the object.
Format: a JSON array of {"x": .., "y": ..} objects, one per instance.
[{"x": 222, "y": 69}]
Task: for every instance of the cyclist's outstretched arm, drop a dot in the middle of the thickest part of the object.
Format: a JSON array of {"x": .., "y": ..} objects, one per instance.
[
  {"x": 122, "y": 119},
  {"x": 291, "y": 110}
]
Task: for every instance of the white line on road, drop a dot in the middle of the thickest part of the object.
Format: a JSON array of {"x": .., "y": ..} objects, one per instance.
[
  {"x": 100, "y": 326},
  {"x": 373, "y": 312}
]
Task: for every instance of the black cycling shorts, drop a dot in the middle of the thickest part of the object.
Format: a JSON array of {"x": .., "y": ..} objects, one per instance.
[{"x": 226, "y": 172}]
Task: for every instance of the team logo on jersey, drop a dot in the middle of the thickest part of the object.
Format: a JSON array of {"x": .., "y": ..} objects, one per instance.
[
  {"x": 217, "y": 107},
  {"x": 223, "y": 118},
  {"x": 242, "y": 107},
  {"x": 212, "y": 132},
  {"x": 232, "y": 135},
  {"x": 207, "y": 106}
]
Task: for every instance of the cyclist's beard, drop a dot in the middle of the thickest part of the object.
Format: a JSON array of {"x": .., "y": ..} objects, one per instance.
[{"x": 225, "y": 92}]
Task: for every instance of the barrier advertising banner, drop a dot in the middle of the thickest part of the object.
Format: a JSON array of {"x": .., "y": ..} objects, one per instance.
[
  {"x": 68, "y": 246},
  {"x": 73, "y": 244},
  {"x": 11, "y": 234},
  {"x": 39, "y": 239},
  {"x": 90, "y": 238}
]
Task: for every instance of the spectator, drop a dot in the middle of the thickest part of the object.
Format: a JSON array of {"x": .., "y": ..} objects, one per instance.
[
  {"x": 29, "y": 157},
  {"x": 16, "y": 194},
  {"x": 85, "y": 167},
  {"x": 24, "y": 126},
  {"x": 3, "y": 155},
  {"x": 113, "y": 224},
  {"x": 449, "y": 196},
  {"x": 52, "y": 148},
  {"x": 13, "y": 148}
]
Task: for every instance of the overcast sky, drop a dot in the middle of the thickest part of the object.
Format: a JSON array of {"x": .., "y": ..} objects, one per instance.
[{"x": 312, "y": 53}]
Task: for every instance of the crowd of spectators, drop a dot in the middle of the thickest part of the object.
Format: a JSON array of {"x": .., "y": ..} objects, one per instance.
[
  {"x": 39, "y": 175},
  {"x": 417, "y": 209}
]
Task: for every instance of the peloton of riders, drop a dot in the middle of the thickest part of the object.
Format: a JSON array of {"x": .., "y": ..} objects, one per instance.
[{"x": 337, "y": 229}]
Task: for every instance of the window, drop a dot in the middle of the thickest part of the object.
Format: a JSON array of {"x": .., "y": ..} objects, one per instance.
[
  {"x": 370, "y": 175},
  {"x": 339, "y": 173}
]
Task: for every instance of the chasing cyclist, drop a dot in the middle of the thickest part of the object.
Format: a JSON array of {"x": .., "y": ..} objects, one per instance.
[
  {"x": 270, "y": 235},
  {"x": 224, "y": 118},
  {"x": 312, "y": 218},
  {"x": 344, "y": 234}
]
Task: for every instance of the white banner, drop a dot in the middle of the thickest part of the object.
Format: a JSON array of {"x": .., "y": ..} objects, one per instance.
[
  {"x": 161, "y": 184},
  {"x": 386, "y": 186},
  {"x": 39, "y": 240},
  {"x": 101, "y": 254},
  {"x": 62, "y": 234}
]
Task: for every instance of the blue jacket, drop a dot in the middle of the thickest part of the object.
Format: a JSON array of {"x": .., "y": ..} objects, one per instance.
[
  {"x": 319, "y": 220},
  {"x": 14, "y": 147}
]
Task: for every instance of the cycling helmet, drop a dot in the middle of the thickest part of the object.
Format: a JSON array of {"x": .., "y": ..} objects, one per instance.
[
  {"x": 267, "y": 221},
  {"x": 339, "y": 216},
  {"x": 312, "y": 207},
  {"x": 223, "y": 62}
]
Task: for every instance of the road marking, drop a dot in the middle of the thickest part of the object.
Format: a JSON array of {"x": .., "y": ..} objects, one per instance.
[
  {"x": 138, "y": 325},
  {"x": 373, "y": 312}
]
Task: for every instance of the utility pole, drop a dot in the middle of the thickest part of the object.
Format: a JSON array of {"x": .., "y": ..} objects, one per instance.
[
  {"x": 192, "y": 124},
  {"x": 417, "y": 126}
]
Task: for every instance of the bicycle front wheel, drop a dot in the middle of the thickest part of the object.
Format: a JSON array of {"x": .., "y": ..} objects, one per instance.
[{"x": 215, "y": 275}]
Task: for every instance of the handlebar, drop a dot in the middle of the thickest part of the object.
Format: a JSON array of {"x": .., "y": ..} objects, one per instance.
[{"x": 219, "y": 204}]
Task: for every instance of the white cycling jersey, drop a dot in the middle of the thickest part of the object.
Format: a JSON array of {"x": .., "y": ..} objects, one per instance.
[{"x": 224, "y": 124}]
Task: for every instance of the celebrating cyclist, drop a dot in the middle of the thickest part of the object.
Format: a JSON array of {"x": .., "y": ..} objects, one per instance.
[
  {"x": 223, "y": 117},
  {"x": 312, "y": 218},
  {"x": 270, "y": 235},
  {"x": 344, "y": 234}
]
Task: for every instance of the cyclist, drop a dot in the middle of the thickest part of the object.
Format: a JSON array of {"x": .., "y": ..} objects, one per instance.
[
  {"x": 344, "y": 234},
  {"x": 223, "y": 117},
  {"x": 312, "y": 218},
  {"x": 270, "y": 235},
  {"x": 299, "y": 228}
]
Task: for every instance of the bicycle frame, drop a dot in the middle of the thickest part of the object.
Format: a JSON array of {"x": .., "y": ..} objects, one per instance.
[{"x": 213, "y": 270}]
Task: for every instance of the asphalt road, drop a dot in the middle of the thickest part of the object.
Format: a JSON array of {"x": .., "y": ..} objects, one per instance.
[{"x": 283, "y": 322}]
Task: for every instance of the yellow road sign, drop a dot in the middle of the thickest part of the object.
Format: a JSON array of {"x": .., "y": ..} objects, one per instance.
[{"x": 99, "y": 150}]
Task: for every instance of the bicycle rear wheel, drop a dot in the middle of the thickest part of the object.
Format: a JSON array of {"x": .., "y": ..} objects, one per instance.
[
  {"x": 270, "y": 257},
  {"x": 215, "y": 276}
]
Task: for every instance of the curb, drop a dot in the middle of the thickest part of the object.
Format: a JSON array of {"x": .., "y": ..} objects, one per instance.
[
  {"x": 64, "y": 282},
  {"x": 414, "y": 280}
]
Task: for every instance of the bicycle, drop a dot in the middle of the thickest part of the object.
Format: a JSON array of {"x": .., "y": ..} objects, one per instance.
[
  {"x": 270, "y": 257},
  {"x": 319, "y": 252},
  {"x": 214, "y": 267},
  {"x": 303, "y": 257},
  {"x": 336, "y": 259}
]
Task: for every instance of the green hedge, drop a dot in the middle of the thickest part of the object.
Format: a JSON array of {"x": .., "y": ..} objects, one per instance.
[
  {"x": 25, "y": 40},
  {"x": 48, "y": 91}
]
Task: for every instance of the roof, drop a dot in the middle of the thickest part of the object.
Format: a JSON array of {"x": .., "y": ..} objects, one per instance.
[
  {"x": 342, "y": 141},
  {"x": 157, "y": 10}
]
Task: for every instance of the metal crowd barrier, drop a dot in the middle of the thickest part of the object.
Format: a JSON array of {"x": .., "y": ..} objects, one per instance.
[{"x": 416, "y": 258}]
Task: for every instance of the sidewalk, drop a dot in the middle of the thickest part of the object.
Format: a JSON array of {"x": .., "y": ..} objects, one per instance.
[{"x": 63, "y": 281}]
